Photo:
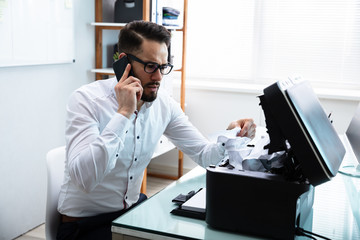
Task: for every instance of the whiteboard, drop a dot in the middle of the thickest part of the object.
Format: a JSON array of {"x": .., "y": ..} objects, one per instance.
[{"x": 36, "y": 32}]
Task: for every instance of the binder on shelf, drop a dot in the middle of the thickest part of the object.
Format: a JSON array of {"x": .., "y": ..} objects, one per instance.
[
  {"x": 170, "y": 16},
  {"x": 167, "y": 13},
  {"x": 127, "y": 11},
  {"x": 153, "y": 11},
  {"x": 156, "y": 11},
  {"x": 159, "y": 15}
]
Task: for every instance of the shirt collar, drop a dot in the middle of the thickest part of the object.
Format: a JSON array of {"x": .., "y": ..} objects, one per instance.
[{"x": 148, "y": 104}]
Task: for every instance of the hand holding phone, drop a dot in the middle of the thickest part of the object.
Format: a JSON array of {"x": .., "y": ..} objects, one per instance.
[
  {"x": 128, "y": 90},
  {"x": 119, "y": 67}
]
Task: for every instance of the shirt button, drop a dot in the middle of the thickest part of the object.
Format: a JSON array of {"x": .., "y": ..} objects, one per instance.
[
  {"x": 223, "y": 144},
  {"x": 131, "y": 178},
  {"x": 135, "y": 159},
  {"x": 117, "y": 155},
  {"x": 138, "y": 137},
  {"x": 125, "y": 197},
  {"x": 126, "y": 131}
]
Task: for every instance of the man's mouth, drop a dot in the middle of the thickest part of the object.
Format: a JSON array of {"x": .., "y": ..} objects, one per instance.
[
  {"x": 152, "y": 85},
  {"x": 150, "y": 91}
]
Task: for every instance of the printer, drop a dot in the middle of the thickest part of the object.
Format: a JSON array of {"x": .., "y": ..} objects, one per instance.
[{"x": 273, "y": 204}]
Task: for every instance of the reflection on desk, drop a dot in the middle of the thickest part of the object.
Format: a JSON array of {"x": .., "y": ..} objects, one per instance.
[{"x": 332, "y": 216}]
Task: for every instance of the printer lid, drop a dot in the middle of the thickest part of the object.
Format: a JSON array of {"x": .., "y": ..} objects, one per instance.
[{"x": 294, "y": 114}]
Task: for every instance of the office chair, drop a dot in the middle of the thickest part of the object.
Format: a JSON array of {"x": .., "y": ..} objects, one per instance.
[{"x": 55, "y": 162}]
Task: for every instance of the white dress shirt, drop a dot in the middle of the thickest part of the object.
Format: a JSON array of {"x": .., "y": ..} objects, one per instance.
[{"x": 107, "y": 153}]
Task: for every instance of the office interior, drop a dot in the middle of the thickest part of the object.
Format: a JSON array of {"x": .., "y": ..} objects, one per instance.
[{"x": 33, "y": 100}]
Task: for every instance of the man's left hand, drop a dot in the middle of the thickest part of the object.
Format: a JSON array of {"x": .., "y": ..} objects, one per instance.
[{"x": 247, "y": 125}]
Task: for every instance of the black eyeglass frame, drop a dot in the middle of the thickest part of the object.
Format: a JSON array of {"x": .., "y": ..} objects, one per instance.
[{"x": 158, "y": 66}]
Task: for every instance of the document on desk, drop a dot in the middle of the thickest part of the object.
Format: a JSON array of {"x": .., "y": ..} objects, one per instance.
[{"x": 196, "y": 203}]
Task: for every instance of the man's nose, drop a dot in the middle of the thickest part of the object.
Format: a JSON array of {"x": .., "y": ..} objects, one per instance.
[{"x": 156, "y": 76}]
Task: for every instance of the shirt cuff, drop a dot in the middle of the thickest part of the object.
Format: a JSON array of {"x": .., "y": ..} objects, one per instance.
[{"x": 221, "y": 148}]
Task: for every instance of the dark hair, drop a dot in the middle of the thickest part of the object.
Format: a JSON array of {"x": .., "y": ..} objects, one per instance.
[{"x": 134, "y": 33}]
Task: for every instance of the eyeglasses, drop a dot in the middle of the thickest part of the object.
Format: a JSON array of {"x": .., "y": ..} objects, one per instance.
[{"x": 151, "y": 67}]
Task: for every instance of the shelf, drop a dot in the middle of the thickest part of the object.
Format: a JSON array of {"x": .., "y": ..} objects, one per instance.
[
  {"x": 110, "y": 25},
  {"x": 109, "y": 71}
]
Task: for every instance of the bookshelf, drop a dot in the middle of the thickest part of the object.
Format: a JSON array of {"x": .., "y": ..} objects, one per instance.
[{"x": 103, "y": 72}]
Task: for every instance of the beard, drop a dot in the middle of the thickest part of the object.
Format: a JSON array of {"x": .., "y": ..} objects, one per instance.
[{"x": 152, "y": 95}]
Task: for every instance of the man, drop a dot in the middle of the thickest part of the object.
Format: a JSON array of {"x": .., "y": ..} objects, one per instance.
[{"x": 112, "y": 130}]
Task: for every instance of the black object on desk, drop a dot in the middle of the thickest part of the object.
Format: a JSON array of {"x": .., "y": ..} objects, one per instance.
[
  {"x": 275, "y": 204},
  {"x": 186, "y": 213},
  {"x": 182, "y": 199}
]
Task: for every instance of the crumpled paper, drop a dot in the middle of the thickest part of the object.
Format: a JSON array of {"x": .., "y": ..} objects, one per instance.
[{"x": 249, "y": 154}]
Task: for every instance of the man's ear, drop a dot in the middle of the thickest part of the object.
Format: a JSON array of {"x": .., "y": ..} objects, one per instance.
[{"x": 121, "y": 55}]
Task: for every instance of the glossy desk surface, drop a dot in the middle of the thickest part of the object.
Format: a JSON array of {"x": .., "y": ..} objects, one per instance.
[{"x": 331, "y": 217}]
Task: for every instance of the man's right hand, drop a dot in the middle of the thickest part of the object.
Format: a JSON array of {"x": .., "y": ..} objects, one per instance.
[{"x": 128, "y": 93}]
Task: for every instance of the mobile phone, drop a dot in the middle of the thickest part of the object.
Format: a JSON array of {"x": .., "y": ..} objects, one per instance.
[{"x": 119, "y": 67}]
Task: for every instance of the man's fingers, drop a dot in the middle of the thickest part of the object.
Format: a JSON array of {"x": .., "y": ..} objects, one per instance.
[
  {"x": 126, "y": 73},
  {"x": 251, "y": 131},
  {"x": 139, "y": 93},
  {"x": 138, "y": 88},
  {"x": 248, "y": 129},
  {"x": 233, "y": 125}
]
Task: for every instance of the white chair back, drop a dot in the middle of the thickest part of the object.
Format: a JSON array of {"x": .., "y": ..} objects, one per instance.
[{"x": 55, "y": 162}]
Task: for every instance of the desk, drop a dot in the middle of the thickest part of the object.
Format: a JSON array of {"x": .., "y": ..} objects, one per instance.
[{"x": 331, "y": 216}]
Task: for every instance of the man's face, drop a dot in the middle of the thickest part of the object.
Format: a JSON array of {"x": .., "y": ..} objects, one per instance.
[{"x": 151, "y": 52}]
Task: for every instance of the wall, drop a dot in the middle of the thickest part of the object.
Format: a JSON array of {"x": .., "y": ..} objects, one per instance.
[{"x": 32, "y": 118}]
